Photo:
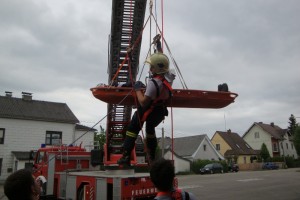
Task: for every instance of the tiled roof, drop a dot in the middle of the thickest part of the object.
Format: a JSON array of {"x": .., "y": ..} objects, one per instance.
[
  {"x": 272, "y": 129},
  {"x": 81, "y": 127},
  {"x": 238, "y": 145},
  {"x": 17, "y": 108},
  {"x": 184, "y": 146}
]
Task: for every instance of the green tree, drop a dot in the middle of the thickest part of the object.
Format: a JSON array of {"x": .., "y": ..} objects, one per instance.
[
  {"x": 100, "y": 137},
  {"x": 264, "y": 152},
  {"x": 297, "y": 140},
  {"x": 292, "y": 124}
]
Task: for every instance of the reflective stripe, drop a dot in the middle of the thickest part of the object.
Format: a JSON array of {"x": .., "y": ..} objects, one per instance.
[{"x": 131, "y": 134}]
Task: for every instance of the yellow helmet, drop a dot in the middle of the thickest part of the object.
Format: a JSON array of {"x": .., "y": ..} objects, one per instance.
[{"x": 159, "y": 63}]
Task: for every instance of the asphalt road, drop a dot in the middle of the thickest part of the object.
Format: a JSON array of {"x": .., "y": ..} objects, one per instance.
[{"x": 283, "y": 184}]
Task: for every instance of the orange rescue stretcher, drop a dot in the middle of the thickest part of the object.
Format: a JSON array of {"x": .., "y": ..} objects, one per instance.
[{"x": 182, "y": 98}]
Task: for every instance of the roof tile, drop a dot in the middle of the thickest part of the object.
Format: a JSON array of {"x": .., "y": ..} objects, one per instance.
[{"x": 17, "y": 108}]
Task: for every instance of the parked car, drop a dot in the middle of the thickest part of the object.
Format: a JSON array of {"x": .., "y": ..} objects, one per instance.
[
  {"x": 270, "y": 165},
  {"x": 212, "y": 168},
  {"x": 233, "y": 168}
]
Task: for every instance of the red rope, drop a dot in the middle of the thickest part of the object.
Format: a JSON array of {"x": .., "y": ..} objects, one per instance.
[
  {"x": 162, "y": 38},
  {"x": 172, "y": 129}
]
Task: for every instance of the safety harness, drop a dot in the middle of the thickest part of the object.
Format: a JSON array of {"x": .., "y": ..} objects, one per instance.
[{"x": 159, "y": 99}]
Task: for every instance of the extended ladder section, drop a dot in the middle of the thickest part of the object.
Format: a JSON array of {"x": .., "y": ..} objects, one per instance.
[{"x": 126, "y": 27}]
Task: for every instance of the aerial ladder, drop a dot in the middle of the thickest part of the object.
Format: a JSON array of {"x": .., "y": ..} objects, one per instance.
[{"x": 124, "y": 50}]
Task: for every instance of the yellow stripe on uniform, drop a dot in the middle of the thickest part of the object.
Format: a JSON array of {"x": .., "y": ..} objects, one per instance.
[{"x": 131, "y": 134}]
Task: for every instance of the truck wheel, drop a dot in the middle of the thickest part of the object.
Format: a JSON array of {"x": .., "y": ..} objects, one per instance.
[{"x": 80, "y": 194}]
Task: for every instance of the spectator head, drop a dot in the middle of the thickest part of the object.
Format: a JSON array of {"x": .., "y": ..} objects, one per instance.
[
  {"x": 21, "y": 185},
  {"x": 162, "y": 174}
]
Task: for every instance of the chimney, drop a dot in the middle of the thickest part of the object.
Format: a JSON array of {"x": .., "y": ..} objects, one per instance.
[
  {"x": 8, "y": 94},
  {"x": 26, "y": 96},
  {"x": 229, "y": 131},
  {"x": 272, "y": 124}
]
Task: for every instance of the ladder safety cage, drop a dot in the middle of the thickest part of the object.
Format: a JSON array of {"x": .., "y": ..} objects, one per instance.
[{"x": 126, "y": 26}]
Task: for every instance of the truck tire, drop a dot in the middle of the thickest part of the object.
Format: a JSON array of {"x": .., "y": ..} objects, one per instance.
[{"x": 80, "y": 194}]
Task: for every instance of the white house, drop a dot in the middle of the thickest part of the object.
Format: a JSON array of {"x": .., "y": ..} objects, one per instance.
[
  {"x": 180, "y": 164},
  {"x": 25, "y": 124},
  {"x": 191, "y": 148},
  {"x": 277, "y": 140}
]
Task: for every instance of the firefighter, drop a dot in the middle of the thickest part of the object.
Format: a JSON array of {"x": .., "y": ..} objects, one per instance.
[
  {"x": 152, "y": 109},
  {"x": 162, "y": 175}
]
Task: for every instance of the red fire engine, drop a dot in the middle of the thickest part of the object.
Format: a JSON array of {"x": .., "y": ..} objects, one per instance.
[{"x": 74, "y": 173}]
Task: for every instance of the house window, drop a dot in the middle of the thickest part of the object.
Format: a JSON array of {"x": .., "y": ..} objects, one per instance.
[
  {"x": 287, "y": 145},
  {"x": 256, "y": 135},
  {"x": 247, "y": 145},
  {"x": 53, "y": 137},
  {"x": 204, "y": 147},
  {"x": 218, "y": 147},
  {"x": 40, "y": 157},
  {"x": 238, "y": 146},
  {"x": 275, "y": 147},
  {"x": 245, "y": 160},
  {"x": 2, "y": 134}
]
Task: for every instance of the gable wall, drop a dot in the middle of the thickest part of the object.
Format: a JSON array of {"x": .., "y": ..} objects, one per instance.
[
  {"x": 208, "y": 154},
  {"x": 256, "y": 143},
  {"x": 217, "y": 139}
]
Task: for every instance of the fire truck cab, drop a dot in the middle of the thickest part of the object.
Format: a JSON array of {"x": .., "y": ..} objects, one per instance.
[{"x": 74, "y": 173}]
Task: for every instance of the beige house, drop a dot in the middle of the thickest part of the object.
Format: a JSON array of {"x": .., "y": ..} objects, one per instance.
[{"x": 232, "y": 146}]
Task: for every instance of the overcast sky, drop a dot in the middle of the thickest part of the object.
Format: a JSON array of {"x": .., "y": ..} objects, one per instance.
[{"x": 57, "y": 50}]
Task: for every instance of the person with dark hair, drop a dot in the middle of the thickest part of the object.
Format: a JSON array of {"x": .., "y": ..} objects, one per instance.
[
  {"x": 162, "y": 175},
  {"x": 21, "y": 185}
]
